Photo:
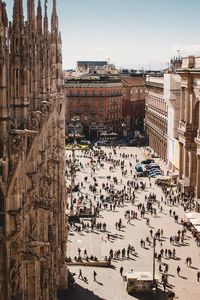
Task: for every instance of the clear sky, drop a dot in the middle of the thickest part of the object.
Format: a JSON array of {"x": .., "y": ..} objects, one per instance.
[{"x": 131, "y": 33}]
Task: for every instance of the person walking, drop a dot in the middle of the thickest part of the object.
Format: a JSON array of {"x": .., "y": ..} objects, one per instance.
[
  {"x": 178, "y": 270},
  {"x": 121, "y": 270},
  {"x": 198, "y": 276},
  {"x": 80, "y": 275},
  {"x": 94, "y": 275}
]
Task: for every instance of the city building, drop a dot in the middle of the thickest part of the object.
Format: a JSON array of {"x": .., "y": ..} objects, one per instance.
[
  {"x": 172, "y": 91},
  {"x": 189, "y": 126},
  {"x": 32, "y": 160},
  {"x": 88, "y": 66},
  {"x": 97, "y": 100},
  {"x": 133, "y": 103},
  {"x": 156, "y": 115}
]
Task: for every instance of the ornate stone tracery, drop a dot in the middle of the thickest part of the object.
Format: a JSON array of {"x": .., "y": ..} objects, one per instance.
[{"x": 31, "y": 160}]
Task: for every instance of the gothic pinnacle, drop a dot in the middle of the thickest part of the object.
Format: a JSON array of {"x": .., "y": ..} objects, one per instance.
[
  {"x": 31, "y": 13},
  {"x": 54, "y": 18},
  {"x": 18, "y": 14},
  {"x": 45, "y": 18},
  {"x": 39, "y": 17}
]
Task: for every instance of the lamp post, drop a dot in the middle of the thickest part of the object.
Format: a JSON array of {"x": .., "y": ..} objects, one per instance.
[
  {"x": 154, "y": 248},
  {"x": 123, "y": 125},
  {"x": 74, "y": 120}
]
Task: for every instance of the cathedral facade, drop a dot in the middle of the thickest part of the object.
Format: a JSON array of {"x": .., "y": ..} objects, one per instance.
[{"x": 32, "y": 164}]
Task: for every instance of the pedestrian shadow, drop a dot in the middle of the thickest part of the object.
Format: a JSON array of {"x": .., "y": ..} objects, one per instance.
[
  {"x": 130, "y": 258},
  {"x": 99, "y": 283},
  {"x": 171, "y": 275},
  {"x": 177, "y": 258},
  {"x": 185, "y": 244},
  {"x": 135, "y": 254},
  {"x": 84, "y": 279},
  {"x": 194, "y": 268},
  {"x": 183, "y": 277}
]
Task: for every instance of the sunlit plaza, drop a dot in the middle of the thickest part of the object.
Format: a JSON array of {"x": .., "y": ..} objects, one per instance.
[{"x": 110, "y": 284}]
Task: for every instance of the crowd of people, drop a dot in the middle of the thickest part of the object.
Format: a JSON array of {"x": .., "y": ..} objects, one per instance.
[{"x": 114, "y": 193}]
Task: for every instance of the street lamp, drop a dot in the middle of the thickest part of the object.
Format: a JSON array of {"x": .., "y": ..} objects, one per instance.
[
  {"x": 154, "y": 248},
  {"x": 123, "y": 125}
]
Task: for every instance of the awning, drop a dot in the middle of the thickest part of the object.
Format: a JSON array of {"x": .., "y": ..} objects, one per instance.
[
  {"x": 193, "y": 215},
  {"x": 195, "y": 221},
  {"x": 197, "y": 227}
]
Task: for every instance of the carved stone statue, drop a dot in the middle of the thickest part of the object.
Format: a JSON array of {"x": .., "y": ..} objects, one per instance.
[
  {"x": 15, "y": 278},
  {"x": 18, "y": 222}
]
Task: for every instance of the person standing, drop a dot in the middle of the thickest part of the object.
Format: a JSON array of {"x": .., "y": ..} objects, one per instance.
[
  {"x": 121, "y": 270},
  {"x": 94, "y": 275},
  {"x": 178, "y": 270}
]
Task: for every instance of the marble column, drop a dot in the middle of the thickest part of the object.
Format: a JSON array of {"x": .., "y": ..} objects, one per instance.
[
  {"x": 187, "y": 107},
  {"x": 180, "y": 160},
  {"x": 198, "y": 177},
  {"x": 186, "y": 162},
  {"x": 182, "y": 104}
]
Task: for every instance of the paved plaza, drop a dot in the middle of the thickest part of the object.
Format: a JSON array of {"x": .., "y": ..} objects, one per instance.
[{"x": 110, "y": 284}]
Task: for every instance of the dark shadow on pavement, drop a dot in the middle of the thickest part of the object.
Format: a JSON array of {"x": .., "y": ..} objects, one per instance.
[
  {"x": 79, "y": 293},
  {"x": 159, "y": 295}
]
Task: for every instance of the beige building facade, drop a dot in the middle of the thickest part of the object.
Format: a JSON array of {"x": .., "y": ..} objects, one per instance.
[
  {"x": 156, "y": 115},
  {"x": 189, "y": 126},
  {"x": 172, "y": 92},
  {"x": 32, "y": 165}
]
